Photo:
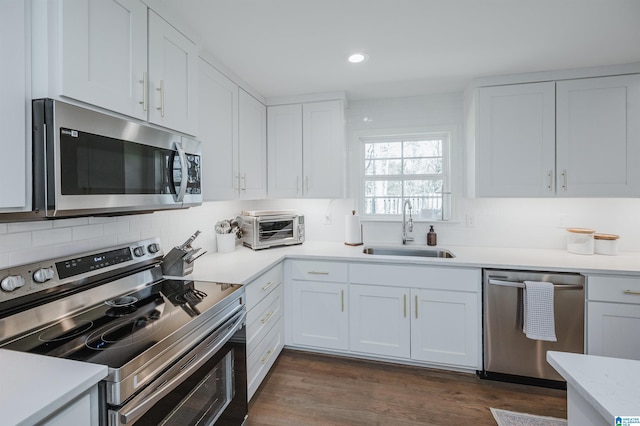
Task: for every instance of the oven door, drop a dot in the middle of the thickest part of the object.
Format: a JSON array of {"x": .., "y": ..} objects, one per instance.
[
  {"x": 277, "y": 230},
  {"x": 206, "y": 386}
]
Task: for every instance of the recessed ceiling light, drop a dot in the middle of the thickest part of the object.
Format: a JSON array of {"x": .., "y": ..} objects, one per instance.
[{"x": 358, "y": 57}]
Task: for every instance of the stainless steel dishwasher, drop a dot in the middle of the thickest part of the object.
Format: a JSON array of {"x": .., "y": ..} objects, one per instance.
[{"x": 508, "y": 353}]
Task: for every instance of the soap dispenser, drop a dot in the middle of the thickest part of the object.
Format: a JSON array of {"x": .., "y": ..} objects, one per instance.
[{"x": 432, "y": 237}]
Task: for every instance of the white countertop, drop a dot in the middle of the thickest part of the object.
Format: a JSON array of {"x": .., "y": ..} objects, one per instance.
[
  {"x": 34, "y": 386},
  {"x": 610, "y": 385},
  {"x": 243, "y": 265}
]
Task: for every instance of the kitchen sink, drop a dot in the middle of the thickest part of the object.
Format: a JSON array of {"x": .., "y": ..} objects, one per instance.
[{"x": 408, "y": 251}]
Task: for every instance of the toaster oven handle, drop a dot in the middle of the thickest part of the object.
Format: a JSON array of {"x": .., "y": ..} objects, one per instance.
[{"x": 184, "y": 170}]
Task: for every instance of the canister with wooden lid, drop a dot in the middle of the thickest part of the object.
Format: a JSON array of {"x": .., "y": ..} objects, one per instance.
[
  {"x": 606, "y": 244},
  {"x": 580, "y": 240}
]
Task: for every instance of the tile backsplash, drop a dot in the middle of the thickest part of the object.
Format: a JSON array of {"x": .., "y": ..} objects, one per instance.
[{"x": 526, "y": 223}]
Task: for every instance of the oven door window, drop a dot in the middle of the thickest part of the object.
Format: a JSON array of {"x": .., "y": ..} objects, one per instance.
[
  {"x": 200, "y": 400},
  {"x": 275, "y": 230},
  {"x": 98, "y": 165}
]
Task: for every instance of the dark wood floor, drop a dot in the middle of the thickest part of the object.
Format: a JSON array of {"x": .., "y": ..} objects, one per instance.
[{"x": 312, "y": 389}]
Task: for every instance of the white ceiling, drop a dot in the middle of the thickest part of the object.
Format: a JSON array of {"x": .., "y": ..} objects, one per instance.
[{"x": 293, "y": 47}]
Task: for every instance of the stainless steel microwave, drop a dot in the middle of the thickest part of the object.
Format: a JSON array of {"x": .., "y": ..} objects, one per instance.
[
  {"x": 90, "y": 163},
  {"x": 263, "y": 230}
]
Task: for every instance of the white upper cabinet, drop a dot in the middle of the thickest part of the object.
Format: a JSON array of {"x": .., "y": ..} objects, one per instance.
[
  {"x": 516, "y": 140},
  {"x": 252, "y": 150},
  {"x": 284, "y": 142},
  {"x": 218, "y": 132},
  {"x": 104, "y": 54},
  {"x": 571, "y": 138},
  {"x": 173, "y": 61},
  {"x": 598, "y": 136},
  {"x": 15, "y": 107},
  {"x": 324, "y": 151},
  {"x": 306, "y": 150}
]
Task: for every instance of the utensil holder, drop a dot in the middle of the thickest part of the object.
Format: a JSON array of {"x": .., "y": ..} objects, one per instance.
[{"x": 226, "y": 242}]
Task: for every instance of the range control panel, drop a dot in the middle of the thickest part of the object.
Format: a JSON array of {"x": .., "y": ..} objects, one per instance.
[{"x": 22, "y": 280}]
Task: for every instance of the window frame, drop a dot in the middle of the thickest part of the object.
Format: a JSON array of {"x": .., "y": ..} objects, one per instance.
[{"x": 404, "y": 135}]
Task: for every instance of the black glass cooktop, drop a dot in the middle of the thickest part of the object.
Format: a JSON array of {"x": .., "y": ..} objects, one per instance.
[{"x": 117, "y": 331}]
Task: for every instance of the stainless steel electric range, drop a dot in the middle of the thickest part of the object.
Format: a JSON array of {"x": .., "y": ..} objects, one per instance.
[{"x": 175, "y": 348}]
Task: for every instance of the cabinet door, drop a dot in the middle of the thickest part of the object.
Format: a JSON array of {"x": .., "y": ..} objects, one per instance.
[
  {"x": 445, "y": 327},
  {"x": 323, "y": 150},
  {"x": 218, "y": 132},
  {"x": 598, "y": 141},
  {"x": 15, "y": 105},
  {"x": 379, "y": 320},
  {"x": 284, "y": 144},
  {"x": 319, "y": 314},
  {"x": 173, "y": 62},
  {"x": 516, "y": 141},
  {"x": 104, "y": 54},
  {"x": 252, "y": 172},
  {"x": 613, "y": 329}
]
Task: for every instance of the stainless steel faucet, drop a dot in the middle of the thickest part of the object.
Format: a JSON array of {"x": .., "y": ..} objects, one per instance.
[{"x": 406, "y": 227}]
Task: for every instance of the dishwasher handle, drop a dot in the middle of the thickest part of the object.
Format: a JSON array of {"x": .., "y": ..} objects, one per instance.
[{"x": 518, "y": 284}]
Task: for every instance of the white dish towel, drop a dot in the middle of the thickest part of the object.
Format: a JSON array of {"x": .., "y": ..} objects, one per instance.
[{"x": 539, "y": 321}]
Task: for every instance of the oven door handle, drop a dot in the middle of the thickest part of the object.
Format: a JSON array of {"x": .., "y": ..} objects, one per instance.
[{"x": 144, "y": 402}]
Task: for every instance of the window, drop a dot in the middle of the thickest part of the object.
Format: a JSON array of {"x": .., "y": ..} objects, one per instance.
[{"x": 406, "y": 167}]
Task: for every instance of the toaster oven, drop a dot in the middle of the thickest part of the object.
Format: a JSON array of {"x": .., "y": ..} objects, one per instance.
[{"x": 262, "y": 231}]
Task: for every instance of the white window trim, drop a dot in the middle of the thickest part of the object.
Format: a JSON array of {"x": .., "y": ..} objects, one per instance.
[{"x": 358, "y": 176}]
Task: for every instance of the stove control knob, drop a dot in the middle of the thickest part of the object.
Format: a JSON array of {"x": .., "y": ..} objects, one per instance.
[
  {"x": 138, "y": 251},
  {"x": 43, "y": 275},
  {"x": 12, "y": 282},
  {"x": 153, "y": 248}
]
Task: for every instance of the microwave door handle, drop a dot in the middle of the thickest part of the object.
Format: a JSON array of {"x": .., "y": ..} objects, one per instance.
[{"x": 179, "y": 197}]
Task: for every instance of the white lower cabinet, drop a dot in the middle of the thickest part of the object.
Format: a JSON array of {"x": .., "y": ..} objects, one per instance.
[
  {"x": 319, "y": 315},
  {"x": 613, "y": 316},
  {"x": 265, "y": 327},
  {"x": 379, "y": 320},
  {"x": 83, "y": 410},
  {"x": 445, "y": 327},
  {"x": 317, "y": 304},
  {"x": 399, "y": 312}
]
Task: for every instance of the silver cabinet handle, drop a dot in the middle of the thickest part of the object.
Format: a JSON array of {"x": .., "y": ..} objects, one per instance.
[
  {"x": 405, "y": 305},
  {"x": 145, "y": 94},
  {"x": 267, "y": 285},
  {"x": 341, "y": 300},
  {"x": 637, "y": 293},
  {"x": 244, "y": 181},
  {"x": 564, "y": 180},
  {"x": 416, "y": 306},
  {"x": 267, "y": 356},
  {"x": 266, "y": 317},
  {"x": 317, "y": 273},
  {"x": 297, "y": 185},
  {"x": 550, "y": 176},
  {"x": 161, "y": 90}
]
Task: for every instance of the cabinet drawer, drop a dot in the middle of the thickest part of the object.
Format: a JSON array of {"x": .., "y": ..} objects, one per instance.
[
  {"x": 318, "y": 271},
  {"x": 257, "y": 289},
  {"x": 260, "y": 361},
  {"x": 614, "y": 289},
  {"x": 455, "y": 279},
  {"x": 263, "y": 316}
]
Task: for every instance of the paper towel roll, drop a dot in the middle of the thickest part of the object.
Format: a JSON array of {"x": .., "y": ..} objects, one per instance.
[{"x": 353, "y": 230}]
